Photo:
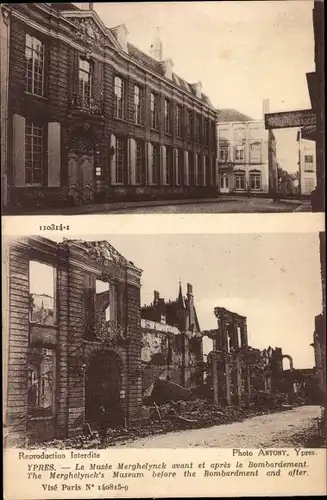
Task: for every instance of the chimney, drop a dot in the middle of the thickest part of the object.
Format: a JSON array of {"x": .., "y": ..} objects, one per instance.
[
  {"x": 167, "y": 67},
  {"x": 265, "y": 107},
  {"x": 156, "y": 47},
  {"x": 83, "y": 5},
  {"x": 156, "y": 297},
  {"x": 198, "y": 89},
  {"x": 121, "y": 34}
]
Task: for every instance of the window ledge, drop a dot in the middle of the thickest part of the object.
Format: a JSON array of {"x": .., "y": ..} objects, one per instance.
[
  {"x": 30, "y": 94},
  {"x": 123, "y": 120},
  {"x": 44, "y": 325},
  {"x": 40, "y": 418}
]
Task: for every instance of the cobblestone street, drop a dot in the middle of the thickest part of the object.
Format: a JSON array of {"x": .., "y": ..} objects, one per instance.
[{"x": 275, "y": 430}]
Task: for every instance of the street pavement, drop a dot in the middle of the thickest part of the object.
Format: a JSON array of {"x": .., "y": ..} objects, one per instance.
[
  {"x": 222, "y": 204},
  {"x": 274, "y": 430}
]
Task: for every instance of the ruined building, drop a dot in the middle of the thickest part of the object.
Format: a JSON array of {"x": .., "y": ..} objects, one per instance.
[
  {"x": 72, "y": 337},
  {"x": 171, "y": 341},
  {"x": 228, "y": 369}
]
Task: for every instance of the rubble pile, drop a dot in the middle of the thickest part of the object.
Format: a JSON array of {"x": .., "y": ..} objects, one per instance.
[{"x": 172, "y": 416}]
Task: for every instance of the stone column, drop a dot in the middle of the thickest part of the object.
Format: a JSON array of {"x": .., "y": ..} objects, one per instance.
[
  {"x": 227, "y": 380},
  {"x": 215, "y": 380},
  {"x": 238, "y": 379}
]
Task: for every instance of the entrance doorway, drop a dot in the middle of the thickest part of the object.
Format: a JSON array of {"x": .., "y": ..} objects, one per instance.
[
  {"x": 81, "y": 171},
  {"x": 224, "y": 183},
  {"x": 102, "y": 388}
]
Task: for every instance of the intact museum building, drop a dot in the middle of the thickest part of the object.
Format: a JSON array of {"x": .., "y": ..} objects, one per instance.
[{"x": 88, "y": 117}]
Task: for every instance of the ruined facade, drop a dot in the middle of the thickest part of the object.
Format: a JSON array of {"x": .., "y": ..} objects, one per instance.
[
  {"x": 72, "y": 336},
  {"x": 227, "y": 364},
  {"x": 92, "y": 118},
  {"x": 171, "y": 341}
]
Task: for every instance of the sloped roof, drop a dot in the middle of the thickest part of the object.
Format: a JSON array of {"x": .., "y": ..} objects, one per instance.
[
  {"x": 155, "y": 66},
  {"x": 232, "y": 115}
]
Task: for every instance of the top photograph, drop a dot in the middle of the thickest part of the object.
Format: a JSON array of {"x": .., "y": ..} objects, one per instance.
[{"x": 199, "y": 107}]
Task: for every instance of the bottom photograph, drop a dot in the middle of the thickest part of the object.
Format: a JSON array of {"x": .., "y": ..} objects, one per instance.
[{"x": 164, "y": 341}]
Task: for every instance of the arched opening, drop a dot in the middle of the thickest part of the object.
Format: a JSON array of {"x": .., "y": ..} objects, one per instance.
[{"x": 102, "y": 389}]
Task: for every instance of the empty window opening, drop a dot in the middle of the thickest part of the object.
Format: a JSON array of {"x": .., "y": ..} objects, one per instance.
[{"x": 42, "y": 293}]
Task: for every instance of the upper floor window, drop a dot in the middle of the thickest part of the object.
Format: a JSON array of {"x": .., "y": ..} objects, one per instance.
[
  {"x": 197, "y": 128},
  {"x": 154, "y": 110},
  {"x": 179, "y": 124},
  {"x": 224, "y": 153},
  {"x": 85, "y": 79},
  {"x": 34, "y": 69},
  {"x": 255, "y": 152},
  {"x": 239, "y": 153},
  {"x": 189, "y": 125},
  {"x": 138, "y": 105},
  {"x": 167, "y": 116},
  {"x": 41, "y": 381},
  {"x": 42, "y": 293},
  {"x": 308, "y": 163},
  {"x": 120, "y": 159},
  {"x": 34, "y": 153},
  {"x": 206, "y": 131},
  {"x": 138, "y": 162},
  {"x": 119, "y": 98}
]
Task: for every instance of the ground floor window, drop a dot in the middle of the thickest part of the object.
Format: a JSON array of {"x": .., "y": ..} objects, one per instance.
[
  {"x": 255, "y": 181},
  {"x": 224, "y": 182},
  {"x": 41, "y": 382},
  {"x": 239, "y": 181},
  {"x": 155, "y": 163},
  {"x": 120, "y": 159}
]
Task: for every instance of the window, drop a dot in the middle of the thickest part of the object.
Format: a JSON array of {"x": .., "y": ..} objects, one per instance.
[
  {"x": 154, "y": 110},
  {"x": 85, "y": 80},
  {"x": 178, "y": 167},
  {"x": 167, "y": 116},
  {"x": 224, "y": 153},
  {"x": 255, "y": 152},
  {"x": 179, "y": 124},
  {"x": 224, "y": 182},
  {"x": 34, "y": 65},
  {"x": 206, "y": 131},
  {"x": 155, "y": 164},
  {"x": 119, "y": 98},
  {"x": 197, "y": 128},
  {"x": 189, "y": 125},
  {"x": 138, "y": 105},
  {"x": 239, "y": 181},
  {"x": 41, "y": 382},
  {"x": 255, "y": 181},
  {"x": 138, "y": 162},
  {"x": 200, "y": 170},
  {"x": 42, "y": 293},
  {"x": 169, "y": 166},
  {"x": 207, "y": 176},
  {"x": 34, "y": 154},
  {"x": 308, "y": 163},
  {"x": 239, "y": 153},
  {"x": 120, "y": 160},
  {"x": 191, "y": 169}
]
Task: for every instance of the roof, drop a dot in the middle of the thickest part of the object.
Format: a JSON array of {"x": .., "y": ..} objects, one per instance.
[
  {"x": 153, "y": 65},
  {"x": 232, "y": 115}
]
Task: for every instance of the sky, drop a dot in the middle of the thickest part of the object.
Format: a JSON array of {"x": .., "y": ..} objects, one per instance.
[
  {"x": 273, "y": 279},
  {"x": 242, "y": 51}
]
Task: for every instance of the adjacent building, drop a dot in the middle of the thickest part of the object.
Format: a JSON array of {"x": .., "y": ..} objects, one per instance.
[
  {"x": 171, "y": 341},
  {"x": 246, "y": 154},
  {"x": 307, "y": 165},
  {"x": 91, "y": 117}
]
